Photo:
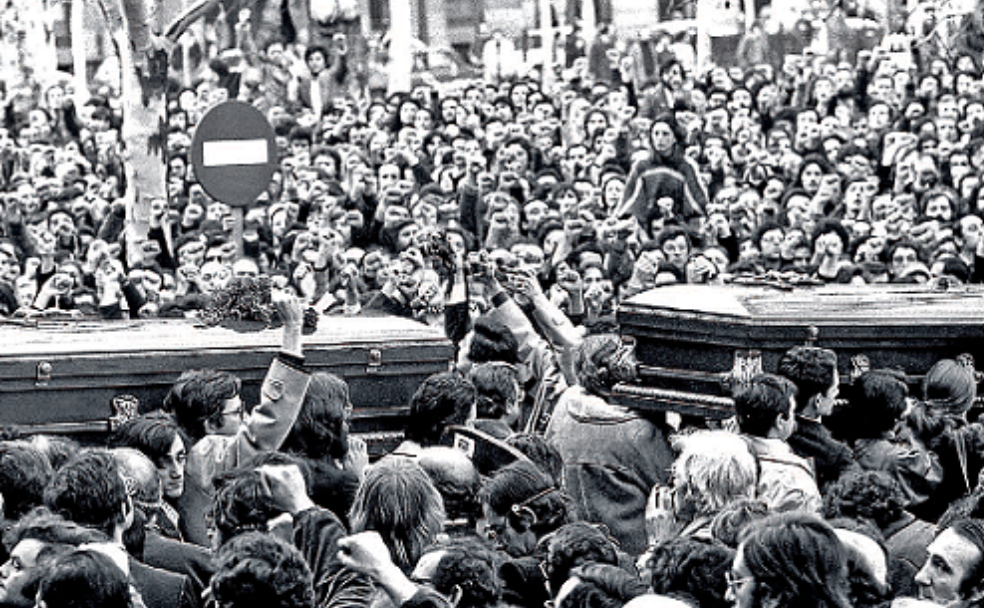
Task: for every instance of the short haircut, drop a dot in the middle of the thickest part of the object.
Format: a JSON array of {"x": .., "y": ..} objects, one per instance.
[
  {"x": 715, "y": 468},
  {"x": 472, "y": 567},
  {"x": 443, "y": 399},
  {"x": 314, "y": 49},
  {"x": 831, "y": 226},
  {"x": 300, "y": 134},
  {"x": 244, "y": 504},
  {"x": 572, "y": 545},
  {"x": 764, "y": 228},
  {"x": 89, "y": 490},
  {"x": 257, "y": 569},
  {"x": 56, "y": 534},
  {"x": 492, "y": 341},
  {"x": 810, "y": 368},
  {"x": 603, "y": 586},
  {"x": 759, "y": 403},
  {"x": 693, "y": 568},
  {"x": 24, "y": 473},
  {"x": 672, "y": 232},
  {"x": 971, "y": 530},
  {"x": 906, "y": 243},
  {"x": 872, "y": 495},
  {"x": 41, "y": 524},
  {"x": 398, "y": 500},
  {"x": 84, "y": 578},
  {"x": 197, "y": 396},
  {"x": 875, "y": 403},
  {"x": 497, "y": 385}
]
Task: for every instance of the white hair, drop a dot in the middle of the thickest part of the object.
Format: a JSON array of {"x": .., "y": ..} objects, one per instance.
[{"x": 716, "y": 467}]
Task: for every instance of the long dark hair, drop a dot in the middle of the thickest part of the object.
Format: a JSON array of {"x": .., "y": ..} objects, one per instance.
[{"x": 798, "y": 559}]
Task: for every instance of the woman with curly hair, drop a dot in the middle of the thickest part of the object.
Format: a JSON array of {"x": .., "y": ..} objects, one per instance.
[{"x": 876, "y": 497}]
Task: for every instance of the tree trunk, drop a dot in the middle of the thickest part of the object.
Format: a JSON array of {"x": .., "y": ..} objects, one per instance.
[{"x": 143, "y": 62}]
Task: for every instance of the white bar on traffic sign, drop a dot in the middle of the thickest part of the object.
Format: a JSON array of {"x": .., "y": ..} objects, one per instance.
[{"x": 234, "y": 152}]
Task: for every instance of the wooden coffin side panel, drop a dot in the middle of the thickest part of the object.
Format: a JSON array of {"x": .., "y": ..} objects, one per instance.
[
  {"x": 694, "y": 351},
  {"x": 76, "y": 382},
  {"x": 904, "y": 328}
]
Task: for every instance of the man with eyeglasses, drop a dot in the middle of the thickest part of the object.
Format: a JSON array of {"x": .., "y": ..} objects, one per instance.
[
  {"x": 791, "y": 559},
  {"x": 208, "y": 406}
]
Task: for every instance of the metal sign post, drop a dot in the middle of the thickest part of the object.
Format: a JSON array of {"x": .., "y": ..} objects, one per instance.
[{"x": 234, "y": 154}]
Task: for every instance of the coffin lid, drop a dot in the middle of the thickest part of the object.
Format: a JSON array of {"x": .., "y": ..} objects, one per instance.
[
  {"x": 111, "y": 337},
  {"x": 856, "y": 307}
]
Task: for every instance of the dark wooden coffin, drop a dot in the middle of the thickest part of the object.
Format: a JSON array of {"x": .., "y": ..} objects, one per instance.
[
  {"x": 66, "y": 376},
  {"x": 694, "y": 341}
]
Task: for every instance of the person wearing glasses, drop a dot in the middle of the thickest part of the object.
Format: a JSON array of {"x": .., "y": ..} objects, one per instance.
[
  {"x": 207, "y": 405},
  {"x": 792, "y": 559}
]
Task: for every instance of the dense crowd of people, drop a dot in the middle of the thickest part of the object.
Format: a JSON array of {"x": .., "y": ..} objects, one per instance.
[
  {"x": 808, "y": 496},
  {"x": 516, "y": 218},
  {"x": 818, "y": 170}
]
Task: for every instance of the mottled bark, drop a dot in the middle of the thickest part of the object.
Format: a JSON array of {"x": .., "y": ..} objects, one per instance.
[
  {"x": 143, "y": 63},
  {"x": 144, "y": 46}
]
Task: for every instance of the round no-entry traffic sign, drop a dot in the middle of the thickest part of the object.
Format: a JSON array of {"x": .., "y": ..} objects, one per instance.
[{"x": 234, "y": 153}]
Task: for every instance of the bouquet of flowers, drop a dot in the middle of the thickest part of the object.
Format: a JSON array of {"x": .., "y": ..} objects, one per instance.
[
  {"x": 246, "y": 304},
  {"x": 434, "y": 245}
]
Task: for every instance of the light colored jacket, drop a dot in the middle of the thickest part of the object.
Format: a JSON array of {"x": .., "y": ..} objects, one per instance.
[
  {"x": 265, "y": 428},
  {"x": 549, "y": 361},
  {"x": 613, "y": 456},
  {"x": 786, "y": 481}
]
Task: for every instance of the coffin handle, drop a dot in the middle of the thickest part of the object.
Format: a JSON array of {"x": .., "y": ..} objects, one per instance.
[{"x": 43, "y": 375}]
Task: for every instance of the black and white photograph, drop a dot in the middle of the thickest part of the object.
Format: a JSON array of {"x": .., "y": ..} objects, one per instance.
[{"x": 491, "y": 303}]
